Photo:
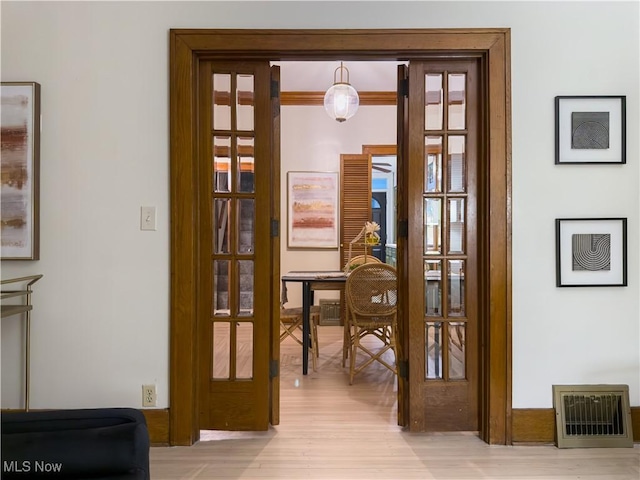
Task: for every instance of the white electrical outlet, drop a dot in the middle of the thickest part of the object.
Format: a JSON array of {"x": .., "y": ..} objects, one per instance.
[{"x": 148, "y": 395}]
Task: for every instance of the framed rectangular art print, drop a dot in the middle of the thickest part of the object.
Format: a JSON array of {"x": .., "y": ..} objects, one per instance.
[
  {"x": 312, "y": 209},
  {"x": 20, "y": 123},
  {"x": 590, "y": 129},
  {"x": 591, "y": 252}
]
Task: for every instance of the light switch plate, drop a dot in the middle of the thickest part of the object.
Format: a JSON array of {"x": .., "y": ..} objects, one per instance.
[{"x": 147, "y": 218}]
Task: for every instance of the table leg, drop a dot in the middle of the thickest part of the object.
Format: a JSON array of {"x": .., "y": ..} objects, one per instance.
[
  {"x": 27, "y": 360},
  {"x": 306, "y": 308}
]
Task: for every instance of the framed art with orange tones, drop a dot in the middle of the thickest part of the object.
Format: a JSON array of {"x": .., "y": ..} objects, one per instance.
[
  {"x": 19, "y": 192},
  {"x": 312, "y": 209}
]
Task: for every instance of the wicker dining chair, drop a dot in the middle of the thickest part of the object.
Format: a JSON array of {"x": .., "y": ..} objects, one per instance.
[
  {"x": 351, "y": 265},
  {"x": 371, "y": 294},
  {"x": 360, "y": 260},
  {"x": 291, "y": 326}
]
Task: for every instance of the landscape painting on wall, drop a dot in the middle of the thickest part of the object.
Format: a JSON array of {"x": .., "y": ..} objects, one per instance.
[
  {"x": 20, "y": 133},
  {"x": 312, "y": 210}
]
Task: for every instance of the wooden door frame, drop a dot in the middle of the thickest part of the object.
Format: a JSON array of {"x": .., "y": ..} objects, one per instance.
[{"x": 189, "y": 46}]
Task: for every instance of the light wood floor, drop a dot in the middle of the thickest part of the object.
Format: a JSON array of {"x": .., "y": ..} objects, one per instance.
[{"x": 330, "y": 430}]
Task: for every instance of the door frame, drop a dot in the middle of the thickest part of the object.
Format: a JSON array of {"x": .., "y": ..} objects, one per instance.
[{"x": 188, "y": 46}]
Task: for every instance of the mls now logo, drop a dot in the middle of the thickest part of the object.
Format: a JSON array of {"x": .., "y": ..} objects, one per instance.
[{"x": 14, "y": 466}]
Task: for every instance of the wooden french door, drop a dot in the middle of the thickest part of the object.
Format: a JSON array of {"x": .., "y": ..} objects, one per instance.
[
  {"x": 402, "y": 259},
  {"x": 442, "y": 194},
  {"x": 236, "y": 204}
]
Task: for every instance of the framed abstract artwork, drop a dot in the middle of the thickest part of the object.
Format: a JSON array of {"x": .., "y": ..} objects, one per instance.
[
  {"x": 590, "y": 129},
  {"x": 591, "y": 252},
  {"x": 312, "y": 209},
  {"x": 19, "y": 189}
]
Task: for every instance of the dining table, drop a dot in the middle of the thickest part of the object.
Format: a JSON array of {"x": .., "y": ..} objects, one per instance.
[{"x": 312, "y": 280}]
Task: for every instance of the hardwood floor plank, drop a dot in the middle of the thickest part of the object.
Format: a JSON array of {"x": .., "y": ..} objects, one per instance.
[{"x": 331, "y": 430}]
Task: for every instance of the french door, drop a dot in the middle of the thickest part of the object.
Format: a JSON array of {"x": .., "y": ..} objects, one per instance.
[
  {"x": 442, "y": 195},
  {"x": 236, "y": 206},
  {"x": 239, "y": 360}
]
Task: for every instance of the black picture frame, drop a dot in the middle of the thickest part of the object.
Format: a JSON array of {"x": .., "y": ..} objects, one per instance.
[
  {"x": 590, "y": 129},
  {"x": 591, "y": 252}
]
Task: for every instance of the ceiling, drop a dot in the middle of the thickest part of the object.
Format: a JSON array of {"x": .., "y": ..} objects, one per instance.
[{"x": 314, "y": 76}]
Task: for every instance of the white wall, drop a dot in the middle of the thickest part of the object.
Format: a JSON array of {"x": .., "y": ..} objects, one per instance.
[{"x": 102, "y": 309}]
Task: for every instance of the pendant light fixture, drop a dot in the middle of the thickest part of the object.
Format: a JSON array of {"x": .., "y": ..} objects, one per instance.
[{"x": 341, "y": 100}]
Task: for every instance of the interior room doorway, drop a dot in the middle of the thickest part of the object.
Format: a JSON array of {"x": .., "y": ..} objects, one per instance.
[
  {"x": 197, "y": 54},
  {"x": 379, "y": 215},
  {"x": 311, "y": 141}
]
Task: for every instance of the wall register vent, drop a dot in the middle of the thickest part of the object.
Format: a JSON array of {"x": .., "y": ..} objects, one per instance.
[
  {"x": 592, "y": 416},
  {"x": 329, "y": 312}
]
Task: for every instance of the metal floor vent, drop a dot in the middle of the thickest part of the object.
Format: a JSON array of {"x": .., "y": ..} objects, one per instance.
[
  {"x": 329, "y": 312},
  {"x": 592, "y": 416}
]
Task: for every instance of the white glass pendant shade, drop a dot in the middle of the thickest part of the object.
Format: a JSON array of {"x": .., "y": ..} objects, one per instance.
[{"x": 341, "y": 100}]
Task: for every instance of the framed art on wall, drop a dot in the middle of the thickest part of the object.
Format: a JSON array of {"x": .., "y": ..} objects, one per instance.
[
  {"x": 312, "y": 209},
  {"x": 19, "y": 190},
  {"x": 590, "y": 129},
  {"x": 591, "y": 252}
]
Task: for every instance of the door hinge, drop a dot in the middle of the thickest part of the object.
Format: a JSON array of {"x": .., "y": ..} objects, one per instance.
[
  {"x": 274, "y": 368},
  {"x": 403, "y": 369},
  {"x": 275, "y": 227},
  {"x": 403, "y": 87},
  {"x": 275, "y": 89},
  {"x": 403, "y": 228}
]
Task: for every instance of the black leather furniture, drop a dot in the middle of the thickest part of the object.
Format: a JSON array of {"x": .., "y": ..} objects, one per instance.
[{"x": 102, "y": 443}]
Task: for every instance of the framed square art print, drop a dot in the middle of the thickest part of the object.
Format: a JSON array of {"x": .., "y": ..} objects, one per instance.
[
  {"x": 590, "y": 129},
  {"x": 591, "y": 252}
]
